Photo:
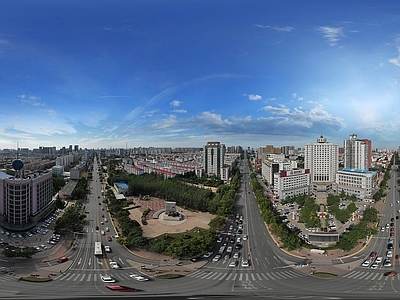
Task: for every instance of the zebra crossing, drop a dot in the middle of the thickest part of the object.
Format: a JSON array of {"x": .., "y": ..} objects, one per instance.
[
  {"x": 373, "y": 276},
  {"x": 72, "y": 276},
  {"x": 248, "y": 276},
  {"x": 199, "y": 274}
]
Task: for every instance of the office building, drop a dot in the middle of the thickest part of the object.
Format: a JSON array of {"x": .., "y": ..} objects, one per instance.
[
  {"x": 214, "y": 158},
  {"x": 321, "y": 158},
  {"x": 24, "y": 200},
  {"x": 356, "y": 153}
]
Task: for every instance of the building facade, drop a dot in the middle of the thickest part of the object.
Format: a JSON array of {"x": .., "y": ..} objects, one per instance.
[
  {"x": 291, "y": 183},
  {"x": 321, "y": 158},
  {"x": 356, "y": 182},
  {"x": 356, "y": 153},
  {"x": 214, "y": 158},
  {"x": 25, "y": 200}
]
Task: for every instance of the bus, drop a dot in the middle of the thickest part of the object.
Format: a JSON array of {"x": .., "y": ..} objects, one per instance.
[{"x": 98, "y": 250}]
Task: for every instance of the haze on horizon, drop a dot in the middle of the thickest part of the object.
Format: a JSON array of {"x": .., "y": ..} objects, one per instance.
[{"x": 177, "y": 73}]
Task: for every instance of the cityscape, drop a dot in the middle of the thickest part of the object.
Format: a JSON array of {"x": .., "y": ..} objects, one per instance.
[{"x": 199, "y": 149}]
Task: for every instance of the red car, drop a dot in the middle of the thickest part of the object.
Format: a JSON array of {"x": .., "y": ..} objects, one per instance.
[
  {"x": 109, "y": 238},
  {"x": 390, "y": 274},
  {"x": 62, "y": 259},
  {"x": 121, "y": 288}
]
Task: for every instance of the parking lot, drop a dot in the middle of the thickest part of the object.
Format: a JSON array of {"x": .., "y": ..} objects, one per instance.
[{"x": 41, "y": 237}]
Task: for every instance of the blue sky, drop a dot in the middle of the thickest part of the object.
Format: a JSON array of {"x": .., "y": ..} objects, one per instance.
[{"x": 178, "y": 73}]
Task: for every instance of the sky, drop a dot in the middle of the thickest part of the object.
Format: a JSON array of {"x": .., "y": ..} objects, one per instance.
[{"x": 179, "y": 73}]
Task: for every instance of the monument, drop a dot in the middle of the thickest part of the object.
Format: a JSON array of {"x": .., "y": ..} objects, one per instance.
[{"x": 171, "y": 213}]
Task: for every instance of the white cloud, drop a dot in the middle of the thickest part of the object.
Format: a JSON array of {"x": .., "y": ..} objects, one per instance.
[
  {"x": 31, "y": 100},
  {"x": 175, "y": 103},
  {"x": 254, "y": 97},
  {"x": 396, "y": 60},
  {"x": 280, "y": 29},
  {"x": 180, "y": 111},
  {"x": 332, "y": 34},
  {"x": 52, "y": 112},
  {"x": 209, "y": 118},
  {"x": 299, "y": 117}
]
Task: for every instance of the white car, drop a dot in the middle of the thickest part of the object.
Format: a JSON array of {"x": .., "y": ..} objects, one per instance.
[
  {"x": 387, "y": 263},
  {"x": 208, "y": 254},
  {"x": 229, "y": 249},
  {"x": 233, "y": 264},
  {"x": 379, "y": 259},
  {"x": 114, "y": 265},
  {"x": 236, "y": 255},
  {"x": 102, "y": 232},
  {"x": 245, "y": 237},
  {"x": 374, "y": 266},
  {"x": 138, "y": 277},
  {"x": 107, "y": 279},
  {"x": 217, "y": 258},
  {"x": 245, "y": 263},
  {"x": 366, "y": 263},
  {"x": 107, "y": 248},
  {"x": 389, "y": 253}
]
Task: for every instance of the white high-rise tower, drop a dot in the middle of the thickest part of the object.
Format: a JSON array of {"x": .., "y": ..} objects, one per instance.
[
  {"x": 355, "y": 153},
  {"x": 322, "y": 160}
]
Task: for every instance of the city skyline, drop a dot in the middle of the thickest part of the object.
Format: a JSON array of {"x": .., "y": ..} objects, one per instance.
[{"x": 181, "y": 74}]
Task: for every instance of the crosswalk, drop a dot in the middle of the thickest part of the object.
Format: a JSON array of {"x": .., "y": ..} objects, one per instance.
[
  {"x": 373, "y": 276},
  {"x": 247, "y": 276},
  {"x": 199, "y": 274}
]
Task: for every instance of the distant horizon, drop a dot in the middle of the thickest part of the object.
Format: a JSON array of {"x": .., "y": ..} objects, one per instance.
[{"x": 188, "y": 72}]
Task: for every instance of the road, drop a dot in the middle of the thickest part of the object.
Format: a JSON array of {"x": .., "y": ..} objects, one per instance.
[{"x": 271, "y": 273}]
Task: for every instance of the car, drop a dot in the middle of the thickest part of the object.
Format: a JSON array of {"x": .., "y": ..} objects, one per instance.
[
  {"x": 238, "y": 246},
  {"x": 107, "y": 229},
  {"x": 107, "y": 248},
  {"x": 103, "y": 232},
  {"x": 392, "y": 220},
  {"x": 208, "y": 254},
  {"x": 387, "y": 263},
  {"x": 374, "y": 266},
  {"x": 219, "y": 240},
  {"x": 238, "y": 240},
  {"x": 233, "y": 264},
  {"x": 217, "y": 258},
  {"x": 121, "y": 288},
  {"x": 229, "y": 249},
  {"x": 366, "y": 263},
  {"x": 392, "y": 233},
  {"x": 391, "y": 240},
  {"x": 389, "y": 253},
  {"x": 392, "y": 229},
  {"x": 245, "y": 263},
  {"x": 236, "y": 255},
  {"x": 390, "y": 274},
  {"x": 245, "y": 237},
  {"x": 379, "y": 259},
  {"x": 62, "y": 259},
  {"x": 107, "y": 279},
  {"x": 114, "y": 264},
  {"x": 97, "y": 228},
  {"x": 373, "y": 254},
  {"x": 138, "y": 277}
]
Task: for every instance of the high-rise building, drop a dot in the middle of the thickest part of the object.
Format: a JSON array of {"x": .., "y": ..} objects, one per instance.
[
  {"x": 369, "y": 155},
  {"x": 214, "y": 154},
  {"x": 322, "y": 160},
  {"x": 356, "y": 154},
  {"x": 24, "y": 200}
]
